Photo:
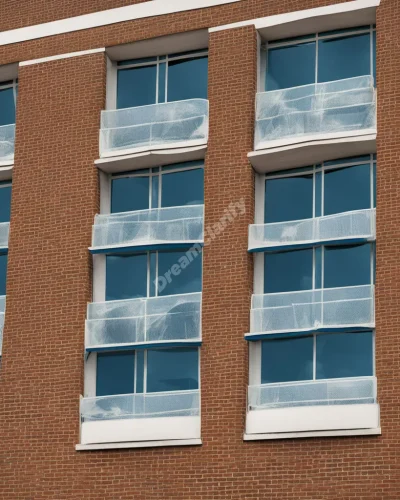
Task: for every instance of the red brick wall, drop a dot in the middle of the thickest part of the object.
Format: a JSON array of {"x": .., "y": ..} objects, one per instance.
[{"x": 55, "y": 195}]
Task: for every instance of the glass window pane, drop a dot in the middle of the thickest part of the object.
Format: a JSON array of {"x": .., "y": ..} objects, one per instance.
[
  {"x": 3, "y": 274},
  {"x": 183, "y": 188},
  {"x": 126, "y": 276},
  {"x": 347, "y": 189},
  {"x": 288, "y": 271},
  {"x": 5, "y": 203},
  {"x": 136, "y": 86},
  {"x": 286, "y": 360},
  {"x": 344, "y": 57},
  {"x": 374, "y": 55},
  {"x": 347, "y": 266},
  {"x": 172, "y": 369},
  {"x": 187, "y": 79},
  {"x": 344, "y": 355},
  {"x": 179, "y": 272},
  {"x": 290, "y": 198},
  {"x": 7, "y": 107},
  {"x": 291, "y": 66},
  {"x": 139, "y": 360},
  {"x": 129, "y": 193},
  {"x": 115, "y": 373}
]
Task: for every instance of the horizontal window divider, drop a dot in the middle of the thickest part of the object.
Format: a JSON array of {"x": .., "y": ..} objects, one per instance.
[
  {"x": 146, "y": 345},
  {"x": 254, "y": 337},
  {"x": 144, "y": 248},
  {"x": 311, "y": 244}
]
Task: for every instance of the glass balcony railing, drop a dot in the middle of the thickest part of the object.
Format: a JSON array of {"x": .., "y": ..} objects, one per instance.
[
  {"x": 4, "y": 232},
  {"x": 147, "y": 321},
  {"x": 149, "y": 227},
  {"x": 342, "y": 391},
  {"x": 312, "y": 310},
  {"x": 2, "y": 313},
  {"x": 300, "y": 113},
  {"x": 139, "y": 406},
  {"x": 354, "y": 226},
  {"x": 157, "y": 126},
  {"x": 7, "y": 140}
]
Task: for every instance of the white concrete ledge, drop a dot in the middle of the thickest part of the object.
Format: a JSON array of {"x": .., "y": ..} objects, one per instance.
[
  {"x": 321, "y": 148},
  {"x": 6, "y": 169},
  {"x": 138, "y": 444},
  {"x": 149, "y": 159},
  {"x": 106, "y": 17},
  {"x": 140, "y": 429},
  {"x": 312, "y": 419},
  {"x": 294, "y": 435},
  {"x": 304, "y": 22},
  {"x": 61, "y": 56}
]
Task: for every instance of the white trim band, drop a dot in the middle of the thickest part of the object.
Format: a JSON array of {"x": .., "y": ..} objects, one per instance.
[
  {"x": 138, "y": 444},
  {"x": 341, "y": 15},
  {"x": 61, "y": 56},
  {"x": 106, "y": 17},
  {"x": 293, "y": 435}
]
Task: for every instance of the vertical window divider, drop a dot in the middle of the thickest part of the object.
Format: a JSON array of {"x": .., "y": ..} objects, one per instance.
[
  {"x": 371, "y": 50},
  {"x": 316, "y": 57},
  {"x": 145, "y": 373},
  {"x": 166, "y": 78},
  {"x": 160, "y": 177},
  {"x": 156, "y": 283},
  {"x": 157, "y": 76},
  {"x": 148, "y": 274}
]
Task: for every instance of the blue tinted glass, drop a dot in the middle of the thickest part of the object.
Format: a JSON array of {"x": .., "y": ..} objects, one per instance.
[
  {"x": 288, "y": 271},
  {"x": 155, "y": 180},
  {"x": 5, "y": 203},
  {"x": 291, "y": 66},
  {"x": 287, "y": 360},
  {"x": 137, "y": 61},
  {"x": 318, "y": 194},
  {"x": 183, "y": 188},
  {"x": 351, "y": 159},
  {"x": 290, "y": 198},
  {"x": 347, "y": 266},
  {"x": 115, "y": 373},
  {"x": 161, "y": 82},
  {"x": 172, "y": 369},
  {"x": 3, "y": 274},
  {"x": 187, "y": 79},
  {"x": 140, "y": 355},
  {"x": 129, "y": 193},
  {"x": 179, "y": 272},
  {"x": 347, "y": 189},
  {"x": 126, "y": 276},
  {"x": 153, "y": 274},
  {"x": 344, "y": 355},
  {"x": 344, "y": 57},
  {"x": 374, "y": 55},
  {"x": 318, "y": 267},
  {"x": 136, "y": 86},
  {"x": 7, "y": 106}
]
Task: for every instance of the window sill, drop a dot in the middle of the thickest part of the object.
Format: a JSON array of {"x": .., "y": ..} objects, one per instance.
[
  {"x": 284, "y": 154},
  {"x": 131, "y": 160},
  {"x": 138, "y": 444},
  {"x": 312, "y": 419},
  {"x": 294, "y": 435}
]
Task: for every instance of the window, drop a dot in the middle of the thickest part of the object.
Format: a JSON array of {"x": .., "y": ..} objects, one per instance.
[
  {"x": 162, "y": 79},
  {"x": 319, "y": 58},
  {"x": 151, "y": 370},
  {"x": 317, "y": 357},
  {"x": 330, "y": 188},
  {"x": 170, "y": 186},
  {"x": 8, "y": 98}
]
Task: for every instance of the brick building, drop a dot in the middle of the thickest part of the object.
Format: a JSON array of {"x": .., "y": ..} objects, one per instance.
[{"x": 198, "y": 295}]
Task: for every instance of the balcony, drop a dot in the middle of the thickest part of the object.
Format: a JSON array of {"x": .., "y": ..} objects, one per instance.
[
  {"x": 305, "y": 125},
  {"x": 7, "y": 140},
  {"x": 351, "y": 227},
  {"x": 140, "y": 417},
  {"x": 170, "y": 320},
  {"x": 314, "y": 405},
  {"x": 2, "y": 311},
  {"x": 151, "y": 135},
  {"x": 328, "y": 309},
  {"x": 157, "y": 228}
]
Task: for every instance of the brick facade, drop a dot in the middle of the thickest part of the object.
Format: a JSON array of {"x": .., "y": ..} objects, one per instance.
[{"x": 55, "y": 196}]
